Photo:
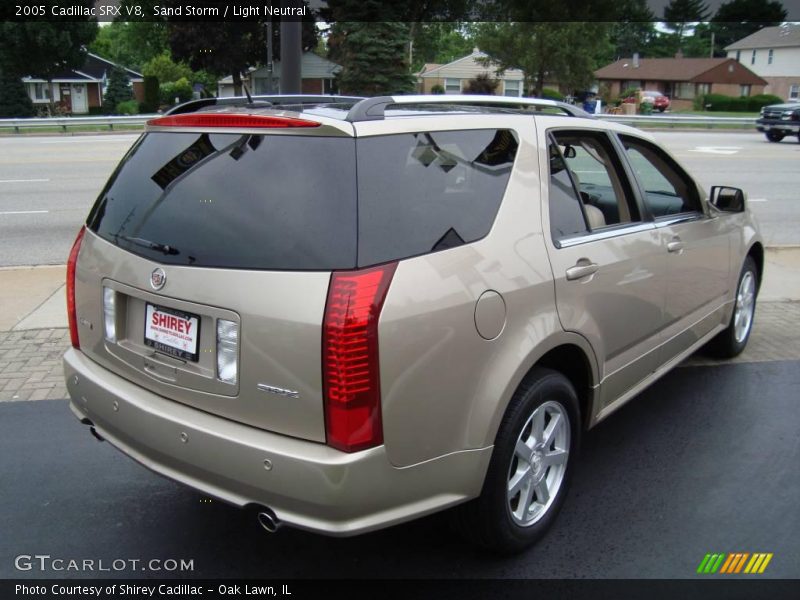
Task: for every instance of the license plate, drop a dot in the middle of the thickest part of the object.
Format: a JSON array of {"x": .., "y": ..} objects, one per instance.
[{"x": 172, "y": 332}]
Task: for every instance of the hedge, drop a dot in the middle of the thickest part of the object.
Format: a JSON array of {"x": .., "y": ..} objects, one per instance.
[{"x": 720, "y": 103}]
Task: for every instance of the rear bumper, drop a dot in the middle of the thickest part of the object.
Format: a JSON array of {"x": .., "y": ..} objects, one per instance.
[{"x": 309, "y": 485}]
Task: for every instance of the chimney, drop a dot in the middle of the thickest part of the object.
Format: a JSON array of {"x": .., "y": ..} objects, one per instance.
[{"x": 635, "y": 60}]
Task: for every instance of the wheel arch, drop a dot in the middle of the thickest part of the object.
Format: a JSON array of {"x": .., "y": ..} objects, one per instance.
[{"x": 756, "y": 252}]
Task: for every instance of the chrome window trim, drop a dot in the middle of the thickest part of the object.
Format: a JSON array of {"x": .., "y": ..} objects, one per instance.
[
  {"x": 604, "y": 234},
  {"x": 668, "y": 220}
]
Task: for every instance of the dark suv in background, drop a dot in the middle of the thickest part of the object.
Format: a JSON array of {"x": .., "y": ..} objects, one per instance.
[{"x": 779, "y": 120}]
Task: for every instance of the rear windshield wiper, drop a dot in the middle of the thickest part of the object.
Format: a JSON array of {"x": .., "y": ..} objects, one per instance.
[{"x": 165, "y": 248}]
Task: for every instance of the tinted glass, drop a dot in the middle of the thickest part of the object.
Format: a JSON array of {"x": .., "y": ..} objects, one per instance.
[
  {"x": 231, "y": 200},
  {"x": 566, "y": 217},
  {"x": 668, "y": 190},
  {"x": 424, "y": 192}
]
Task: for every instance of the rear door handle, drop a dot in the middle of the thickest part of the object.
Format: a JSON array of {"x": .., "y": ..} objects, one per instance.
[
  {"x": 583, "y": 269},
  {"x": 676, "y": 245}
]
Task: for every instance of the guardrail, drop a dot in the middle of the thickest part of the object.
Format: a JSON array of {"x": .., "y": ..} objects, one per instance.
[
  {"x": 656, "y": 119},
  {"x": 64, "y": 122}
]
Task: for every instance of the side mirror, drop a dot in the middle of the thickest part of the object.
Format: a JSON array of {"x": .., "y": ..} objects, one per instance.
[{"x": 727, "y": 199}]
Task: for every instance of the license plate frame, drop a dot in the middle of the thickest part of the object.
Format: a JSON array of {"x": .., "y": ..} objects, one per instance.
[{"x": 168, "y": 340}]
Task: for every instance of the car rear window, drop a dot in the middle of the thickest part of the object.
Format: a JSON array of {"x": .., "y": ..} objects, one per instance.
[
  {"x": 285, "y": 202},
  {"x": 423, "y": 192},
  {"x": 229, "y": 200}
]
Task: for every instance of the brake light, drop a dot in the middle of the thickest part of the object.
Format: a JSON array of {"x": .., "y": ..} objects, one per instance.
[
  {"x": 71, "y": 310},
  {"x": 350, "y": 367},
  {"x": 229, "y": 120}
]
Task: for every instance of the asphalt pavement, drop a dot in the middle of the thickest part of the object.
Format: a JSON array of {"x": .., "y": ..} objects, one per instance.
[
  {"x": 704, "y": 462},
  {"x": 49, "y": 183}
]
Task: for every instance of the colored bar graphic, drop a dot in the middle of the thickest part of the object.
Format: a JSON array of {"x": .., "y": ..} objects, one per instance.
[{"x": 734, "y": 562}]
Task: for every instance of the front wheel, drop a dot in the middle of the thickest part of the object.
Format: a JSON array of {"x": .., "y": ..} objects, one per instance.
[
  {"x": 531, "y": 466},
  {"x": 732, "y": 340},
  {"x": 774, "y": 136}
]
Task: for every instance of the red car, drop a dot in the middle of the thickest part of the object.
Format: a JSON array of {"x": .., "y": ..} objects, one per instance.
[{"x": 660, "y": 101}]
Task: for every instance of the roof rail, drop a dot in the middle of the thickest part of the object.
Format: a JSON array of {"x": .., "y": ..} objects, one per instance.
[
  {"x": 373, "y": 109},
  {"x": 262, "y": 101}
]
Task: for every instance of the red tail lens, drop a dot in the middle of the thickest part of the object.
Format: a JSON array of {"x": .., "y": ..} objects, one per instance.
[
  {"x": 71, "y": 311},
  {"x": 229, "y": 120},
  {"x": 350, "y": 368}
]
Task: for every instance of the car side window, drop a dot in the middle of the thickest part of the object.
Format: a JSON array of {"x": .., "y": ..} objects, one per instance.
[
  {"x": 666, "y": 188},
  {"x": 566, "y": 215},
  {"x": 604, "y": 191}
]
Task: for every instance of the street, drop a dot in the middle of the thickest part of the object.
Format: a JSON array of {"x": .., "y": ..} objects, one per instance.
[
  {"x": 706, "y": 461},
  {"x": 48, "y": 184}
]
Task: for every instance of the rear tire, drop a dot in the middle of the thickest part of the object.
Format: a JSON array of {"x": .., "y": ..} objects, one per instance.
[
  {"x": 531, "y": 466},
  {"x": 774, "y": 136},
  {"x": 732, "y": 341}
]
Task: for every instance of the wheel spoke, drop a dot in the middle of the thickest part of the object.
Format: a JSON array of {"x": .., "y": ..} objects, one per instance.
[
  {"x": 552, "y": 429},
  {"x": 523, "y": 451},
  {"x": 525, "y": 499},
  {"x": 542, "y": 493},
  {"x": 558, "y": 457},
  {"x": 518, "y": 482},
  {"x": 538, "y": 425}
]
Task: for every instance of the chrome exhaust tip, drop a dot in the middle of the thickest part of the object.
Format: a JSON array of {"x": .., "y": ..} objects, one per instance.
[{"x": 268, "y": 520}]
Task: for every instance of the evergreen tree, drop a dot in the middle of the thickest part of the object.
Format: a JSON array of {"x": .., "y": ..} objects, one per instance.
[
  {"x": 737, "y": 19},
  {"x": 118, "y": 90},
  {"x": 373, "y": 56},
  {"x": 14, "y": 100},
  {"x": 679, "y": 14}
]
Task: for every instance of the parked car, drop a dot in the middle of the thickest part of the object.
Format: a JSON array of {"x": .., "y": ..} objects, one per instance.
[
  {"x": 348, "y": 313},
  {"x": 779, "y": 120},
  {"x": 659, "y": 101}
]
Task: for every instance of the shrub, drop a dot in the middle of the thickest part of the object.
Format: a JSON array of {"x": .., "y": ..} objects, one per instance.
[
  {"x": 14, "y": 99},
  {"x": 482, "y": 84},
  {"x": 437, "y": 89},
  {"x": 759, "y": 101},
  {"x": 552, "y": 94},
  {"x": 119, "y": 90},
  {"x": 129, "y": 107},
  {"x": 180, "y": 89},
  {"x": 718, "y": 102}
]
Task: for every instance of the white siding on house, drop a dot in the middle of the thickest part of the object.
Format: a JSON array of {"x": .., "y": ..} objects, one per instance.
[
  {"x": 468, "y": 68},
  {"x": 785, "y": 61}
]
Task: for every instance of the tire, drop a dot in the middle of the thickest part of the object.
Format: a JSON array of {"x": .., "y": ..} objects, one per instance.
[
  {"x": 496, "y": 520},
  {"x": 731, "y": 341},
  {"x": 774, "y": 136}
]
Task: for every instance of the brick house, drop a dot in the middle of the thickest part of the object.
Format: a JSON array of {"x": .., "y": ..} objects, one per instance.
[
  {"x": 453, "y": 76},
  {"x": 682, "y": 79},
  {"x": 79, "y": 90}
]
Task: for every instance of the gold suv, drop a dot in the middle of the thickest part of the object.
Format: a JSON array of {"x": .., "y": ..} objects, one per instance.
[{"x": 347, "y": 313}]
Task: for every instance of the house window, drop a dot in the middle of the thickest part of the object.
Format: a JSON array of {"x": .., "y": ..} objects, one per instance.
[
  {"x": 744, "y": 89},
  {"x": 703, "y": 89},
  {"x": 512, "y": 88},
  {"x": 794, "y": 91},
  {"x": 41, "y": 91},
  {"x": 738, "y": 56},
  {"x": 452, "y": 86},
  {"x": 686, "y": 90},
  {"x": 769, "y": 57},
  {"x": 753, "y": 58}
]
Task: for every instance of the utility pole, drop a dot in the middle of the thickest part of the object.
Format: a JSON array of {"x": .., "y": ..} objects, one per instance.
[
  {"x": 270, "y": 89},
  {"x": 291, "y": 41}
]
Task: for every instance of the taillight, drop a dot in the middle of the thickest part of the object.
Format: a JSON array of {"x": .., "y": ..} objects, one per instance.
[
  {"x": 350, "y": 368},
  {"x": 229, "y": 120},
  {"x": 71, "y": 311}
]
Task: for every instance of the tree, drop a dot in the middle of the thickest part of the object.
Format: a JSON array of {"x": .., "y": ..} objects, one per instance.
[
  {"x": 635, "y": 31},
  {"x": 14, "y": 100},
  {"x": 373, "y": 57},
  {"x": 441, "y": 43},
  {"x": 131, "y": 44},
  {"x": 737, "y": 19},
  {"x": 44, "y": 49},
  {"x": 163, "y": 67},
  {"x": 482, "y": 84},
  {"x": 679, "y": 14},
  {"x": 567, "y": 52},
  {"x": 118, "y": 90}
]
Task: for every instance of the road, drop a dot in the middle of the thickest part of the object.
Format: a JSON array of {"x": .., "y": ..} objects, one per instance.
[
  {"x": 48, "y": 184},
  {"x": 706, "y": 461}
]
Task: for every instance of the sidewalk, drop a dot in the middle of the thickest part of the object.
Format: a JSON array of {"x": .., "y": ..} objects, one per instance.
[{"x": 34, "y": 335}]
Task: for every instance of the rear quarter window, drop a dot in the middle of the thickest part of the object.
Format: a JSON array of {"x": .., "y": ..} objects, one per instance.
[{"x": 429, "y": 191}]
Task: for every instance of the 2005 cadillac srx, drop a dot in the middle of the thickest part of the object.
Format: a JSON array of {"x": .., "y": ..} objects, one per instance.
[{"x": 346, "y": 313}]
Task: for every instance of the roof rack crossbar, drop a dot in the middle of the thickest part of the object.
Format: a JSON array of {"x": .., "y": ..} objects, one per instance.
[{"x": 373, "y": 109}]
